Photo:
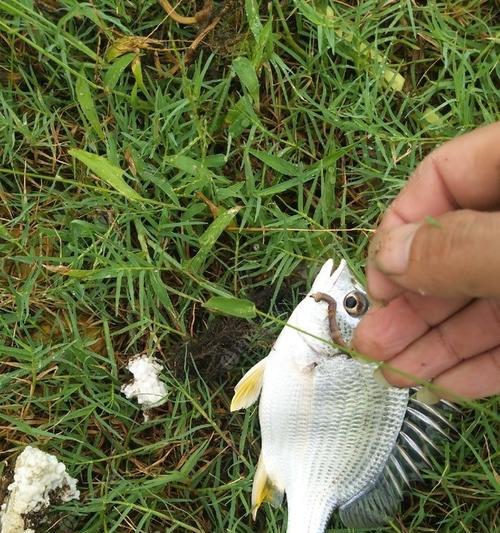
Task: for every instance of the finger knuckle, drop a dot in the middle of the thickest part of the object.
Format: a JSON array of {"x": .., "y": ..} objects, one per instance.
[
  {"x": 437, "y": 254},
  {"x": 494, "y": 308},
  {"x": 449, "y": 234},
  {"x": 397, "y": 379},
  {"x": 494, "y": 357},
  {"x": 451, "y": 350}
]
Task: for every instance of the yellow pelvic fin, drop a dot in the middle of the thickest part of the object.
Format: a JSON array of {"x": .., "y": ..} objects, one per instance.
[
  {"x": 248, "y": 388},
  {"x": 264, "y": 490}
]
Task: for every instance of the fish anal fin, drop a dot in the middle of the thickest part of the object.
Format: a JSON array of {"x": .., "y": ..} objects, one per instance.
[
  {"x": 248, "y": 388},
  {"x": 264, "y": 489}
]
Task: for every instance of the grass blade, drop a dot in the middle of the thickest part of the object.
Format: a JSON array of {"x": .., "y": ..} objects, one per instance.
[
  {"x": 277, "y": 163},
  {"x": 210, "y": 236},
  {"x": 116, "y": 70},
  {"x": 238, "y": 307},
  {"x": 87, "y": 105},
  {"x": 108, "y": 172},
  {"x": 245, "y": 71}
]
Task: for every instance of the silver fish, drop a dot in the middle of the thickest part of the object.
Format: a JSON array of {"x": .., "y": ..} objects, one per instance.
[{"x": 332, "y": 435}]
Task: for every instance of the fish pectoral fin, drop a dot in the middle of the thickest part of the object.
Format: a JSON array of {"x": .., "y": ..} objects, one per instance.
[
  {"x": 264, "y": 490},
  {"x": 248, "y": 388}
]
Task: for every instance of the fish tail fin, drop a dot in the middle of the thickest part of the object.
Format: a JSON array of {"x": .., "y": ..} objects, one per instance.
[
  {"x": 375, "y": 506},
  {"x": 264, "y": 490},
  {"x": 309, "y": 515},
  {"x": 248, "y": 388}
]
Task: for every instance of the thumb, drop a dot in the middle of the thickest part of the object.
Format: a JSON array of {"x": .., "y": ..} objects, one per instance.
[{"x": 456, "y": 254}]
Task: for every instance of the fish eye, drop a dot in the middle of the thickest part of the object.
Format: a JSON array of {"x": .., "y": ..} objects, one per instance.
[{"x": 356, "y": 303}]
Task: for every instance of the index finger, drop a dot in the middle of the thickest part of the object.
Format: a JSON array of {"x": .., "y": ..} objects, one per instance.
[{"x": 463, "y": 173}]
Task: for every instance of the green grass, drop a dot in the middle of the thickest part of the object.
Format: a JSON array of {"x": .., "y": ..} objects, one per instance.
[{"x": 304, "y": 135}]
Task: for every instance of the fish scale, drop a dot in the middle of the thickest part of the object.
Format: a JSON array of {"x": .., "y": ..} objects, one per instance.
[{"x": 332, "y": 436}]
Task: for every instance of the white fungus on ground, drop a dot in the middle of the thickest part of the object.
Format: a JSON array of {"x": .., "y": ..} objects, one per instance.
[
  {"x": 39, "y": 480},
  {"x": 146, "y": 385}
]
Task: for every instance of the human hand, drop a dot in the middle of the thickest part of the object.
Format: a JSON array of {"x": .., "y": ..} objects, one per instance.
[{"x": 439, "y": 277}]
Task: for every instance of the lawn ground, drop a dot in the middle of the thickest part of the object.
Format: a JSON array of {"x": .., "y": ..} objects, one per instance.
[{"x": 305, "y": 119}]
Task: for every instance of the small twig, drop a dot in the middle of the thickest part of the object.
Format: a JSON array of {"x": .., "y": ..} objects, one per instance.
[
  {"x": 171, "y": 12},
  {"x": 193, "y": 320},
  {"x": 199, "y": 18}
]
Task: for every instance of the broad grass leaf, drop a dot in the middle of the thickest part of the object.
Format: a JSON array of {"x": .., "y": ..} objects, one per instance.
[
  {"x": 245, "y": 71},
  {"x": 264, "y": 45},
  {"x": 252, "y": 12},
  {"x": 189, "y": 166},
  {"x": 114, "y": 71},
  {"x": 198, "y": 170},
  {"x": 241, "y": 116},
  {"x": 213, "y": 232},
  {"x": 238, "y": 307},
  {"x": 283, "y": 186},
  {"x": 108, "y": 172},
  {"x": 209, "y": 238},
  {"x": 87, "y": 105},
  {"x": 277, "y": 163},
  {"x": 137, "y": 72},
  {"x": 164, "y": 298}
]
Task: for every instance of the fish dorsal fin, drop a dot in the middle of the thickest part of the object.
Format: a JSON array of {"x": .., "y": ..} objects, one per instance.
[
  {"x": 264, "y": 490},
  {"x": 248, "y": 388},
  {"x": 415, "y": 450},
  {"x": 323, "y": 276}
]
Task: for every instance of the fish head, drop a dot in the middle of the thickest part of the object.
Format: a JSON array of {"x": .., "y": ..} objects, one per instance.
[
  {"x": 310, "y": 336},
  {"x": 349, "y": 296}
]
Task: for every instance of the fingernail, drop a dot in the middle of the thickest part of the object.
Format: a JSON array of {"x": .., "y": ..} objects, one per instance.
[
  {"x": 425, "y": 395},
  {"x": 392, "y": 249},
  {"x": 380, "y": 379}
]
